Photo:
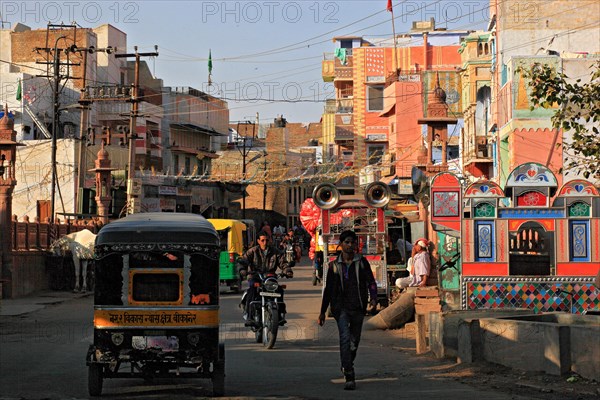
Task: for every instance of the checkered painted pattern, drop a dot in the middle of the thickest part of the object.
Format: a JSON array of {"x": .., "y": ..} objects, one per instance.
[{"x": 539, "y": 294}]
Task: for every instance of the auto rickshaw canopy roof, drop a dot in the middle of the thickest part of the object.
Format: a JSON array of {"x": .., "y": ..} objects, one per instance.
[
  {"x": 156, "y": 228},
  {"x": 235, "y": 239}
]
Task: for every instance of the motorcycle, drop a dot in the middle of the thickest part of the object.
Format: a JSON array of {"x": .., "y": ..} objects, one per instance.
[
  {"x": 267, "y": 314},
  {"x": 289, "y": 253}
]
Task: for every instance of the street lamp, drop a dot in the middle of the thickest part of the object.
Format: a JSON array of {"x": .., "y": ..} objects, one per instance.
[{"x": 244, "y": 148}]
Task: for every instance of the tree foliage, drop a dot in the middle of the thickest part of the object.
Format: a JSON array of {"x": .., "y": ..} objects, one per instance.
[{"x": 577, "y": 114}]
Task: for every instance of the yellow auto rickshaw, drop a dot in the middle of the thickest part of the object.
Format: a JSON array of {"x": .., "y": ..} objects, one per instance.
[{"x": 233, "y": 237}]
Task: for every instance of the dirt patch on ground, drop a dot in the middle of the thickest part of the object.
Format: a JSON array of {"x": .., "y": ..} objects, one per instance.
[
  {"x": 483, "y": 375},
  {"x": 530, "y": 384}
]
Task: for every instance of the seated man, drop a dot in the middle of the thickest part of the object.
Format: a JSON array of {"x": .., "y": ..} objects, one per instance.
[{"x": 421, "y": 265}]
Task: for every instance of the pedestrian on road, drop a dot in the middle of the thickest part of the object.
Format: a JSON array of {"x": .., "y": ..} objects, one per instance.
[{"x": 349, "y": 287}]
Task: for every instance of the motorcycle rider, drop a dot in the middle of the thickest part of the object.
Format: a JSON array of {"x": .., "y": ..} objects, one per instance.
[
  {"x": 291, "y": 239},
  {"x": 265, "y": 259}
]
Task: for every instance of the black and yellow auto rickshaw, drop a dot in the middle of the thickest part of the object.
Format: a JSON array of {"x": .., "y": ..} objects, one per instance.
[{"x": 156, "y": 301}]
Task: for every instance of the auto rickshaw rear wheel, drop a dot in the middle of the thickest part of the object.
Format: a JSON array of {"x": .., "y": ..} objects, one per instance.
[
  {"x": 218, "y": 376},
  {"x": 236, "y": 287},
  {"x": 95, "y": 379}
]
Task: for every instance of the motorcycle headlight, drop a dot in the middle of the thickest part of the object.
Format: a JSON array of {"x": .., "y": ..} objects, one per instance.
[
  {"x": 117, "y": 338},
  {"x": 271, "y": 286}
]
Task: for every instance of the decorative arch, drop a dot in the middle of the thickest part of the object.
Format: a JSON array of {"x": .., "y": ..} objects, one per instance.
[
  {"x": 529, "y": 177},
  {"x": 484, "y": 189},
  {"x": 580, "y": 198},
  {"x": 578, "y": 188}
]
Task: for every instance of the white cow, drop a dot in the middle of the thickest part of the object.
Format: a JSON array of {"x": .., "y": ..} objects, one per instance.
[{"x": 81, "y": 246}]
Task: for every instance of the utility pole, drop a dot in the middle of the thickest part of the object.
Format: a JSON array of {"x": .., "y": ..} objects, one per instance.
[
  {"x": 257, "y": 124},
  {"x": 56, "y": 79},
  {"x": 85, "y": 100},
  {"x": 55, "y": 122},
  {"x": 82, "y": 145},
  {"x": 244, "y": 155},
  {"x": 264, "y": 186},
  {"x": 133, "y": 118},
  {"x": 244, "y": 151}
]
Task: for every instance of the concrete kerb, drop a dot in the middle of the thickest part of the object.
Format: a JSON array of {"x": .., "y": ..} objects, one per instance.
[
  {"x": 444, "y": 327},
  {"x": 553, "y": 343}
]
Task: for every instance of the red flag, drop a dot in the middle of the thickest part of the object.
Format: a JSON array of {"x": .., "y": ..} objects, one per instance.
[{"x": 389, "y": 6}]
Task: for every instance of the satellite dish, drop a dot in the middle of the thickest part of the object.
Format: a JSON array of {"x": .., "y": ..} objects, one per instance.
[{"x": 420, "y": 185}]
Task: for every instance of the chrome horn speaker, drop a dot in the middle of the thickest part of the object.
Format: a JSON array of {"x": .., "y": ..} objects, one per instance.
[
  {"x": 326, "y": 196},
  {"x": 378, "y": 194}
]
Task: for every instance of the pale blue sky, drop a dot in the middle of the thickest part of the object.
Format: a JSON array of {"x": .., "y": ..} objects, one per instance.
[{"x": 267, "y": 49}]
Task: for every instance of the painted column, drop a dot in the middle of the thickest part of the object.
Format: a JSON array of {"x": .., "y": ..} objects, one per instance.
[{"x": 8, "y": 150}]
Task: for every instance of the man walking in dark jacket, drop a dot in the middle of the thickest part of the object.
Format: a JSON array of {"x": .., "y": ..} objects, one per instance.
[{"x": 349, "y": 287}]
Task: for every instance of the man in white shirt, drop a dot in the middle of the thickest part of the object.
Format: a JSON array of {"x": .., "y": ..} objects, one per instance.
[{"x": 421, "y": 267}]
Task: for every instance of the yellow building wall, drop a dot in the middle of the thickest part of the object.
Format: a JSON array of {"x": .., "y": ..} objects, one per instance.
[{"x": 328, "y": 131}]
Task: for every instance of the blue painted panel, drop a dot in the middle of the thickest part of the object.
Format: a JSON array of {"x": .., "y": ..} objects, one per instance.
[
  {"x": 542, "y": 213},
  {"x": 484, "y": 241},
  {"x": 579, "y": 234}
]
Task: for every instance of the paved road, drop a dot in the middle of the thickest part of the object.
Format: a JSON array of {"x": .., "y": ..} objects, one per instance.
[{"x": 42, "y": 357}]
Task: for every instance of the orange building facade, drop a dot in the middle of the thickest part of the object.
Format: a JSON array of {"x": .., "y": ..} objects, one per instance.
[{"x": 376, "y": 110}]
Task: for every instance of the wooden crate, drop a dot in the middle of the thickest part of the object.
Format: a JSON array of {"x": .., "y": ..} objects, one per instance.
[{"x": 427, "y": 300}]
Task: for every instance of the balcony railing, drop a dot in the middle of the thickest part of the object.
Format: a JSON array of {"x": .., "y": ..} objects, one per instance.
[
  {"x": 330, "y": 106},
  {"x": 332, "y": 66},
  {"x": 339, "y": 106},
  {"x": 344, "y": 132},
  {"x": 345, "y": 106}
]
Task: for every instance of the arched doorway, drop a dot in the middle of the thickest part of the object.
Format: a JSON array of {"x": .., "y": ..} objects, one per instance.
[{"x": 531, "y": 250}]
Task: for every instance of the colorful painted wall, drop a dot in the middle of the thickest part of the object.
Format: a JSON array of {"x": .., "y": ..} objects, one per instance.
[{"x": 529, "y": 245}]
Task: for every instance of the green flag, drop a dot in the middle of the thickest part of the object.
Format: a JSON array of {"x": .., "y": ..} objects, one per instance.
[
  {"x": 209, "y": 62},
  {"x": 19, "y": 91}
]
